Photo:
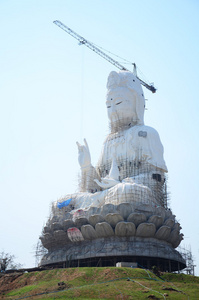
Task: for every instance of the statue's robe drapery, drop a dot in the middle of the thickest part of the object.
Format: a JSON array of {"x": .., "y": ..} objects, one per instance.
[
  {"x": 138, "y": 152},
  {"x": 136, "y": 145}
]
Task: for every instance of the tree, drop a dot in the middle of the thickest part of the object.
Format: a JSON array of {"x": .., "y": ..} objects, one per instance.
[{"x": 7, "y": 262}]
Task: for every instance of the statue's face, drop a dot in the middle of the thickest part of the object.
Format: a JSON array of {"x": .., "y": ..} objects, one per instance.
[{"x": 121, "y": 105}]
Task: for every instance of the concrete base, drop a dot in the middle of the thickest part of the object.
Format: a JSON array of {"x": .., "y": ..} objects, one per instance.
[{"x": 146, "y": 252}]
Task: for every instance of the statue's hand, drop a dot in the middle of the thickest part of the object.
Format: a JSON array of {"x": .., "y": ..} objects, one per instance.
[
  {"x": 84, "y": 157},
  {"x": 106, "y": 182}
]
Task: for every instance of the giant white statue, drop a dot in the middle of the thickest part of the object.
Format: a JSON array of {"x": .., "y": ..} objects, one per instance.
[
  {"x": 131, "y": 164},
  {"x": 121, "y": 208}
]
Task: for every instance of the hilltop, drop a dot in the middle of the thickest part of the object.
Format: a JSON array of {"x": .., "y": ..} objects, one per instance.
[{"x": 98, "y": 283}]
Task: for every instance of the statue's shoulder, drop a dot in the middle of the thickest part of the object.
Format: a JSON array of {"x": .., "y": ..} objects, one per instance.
[{"x": 143, "y": 131}]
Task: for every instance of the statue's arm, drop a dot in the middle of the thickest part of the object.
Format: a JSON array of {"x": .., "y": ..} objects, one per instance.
[
  {"x": 88, "y": 172},
  {"x": 156, "y": 149}
]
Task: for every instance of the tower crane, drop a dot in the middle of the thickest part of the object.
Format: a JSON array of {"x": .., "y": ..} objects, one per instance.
[{"x": 83, "y": 41}]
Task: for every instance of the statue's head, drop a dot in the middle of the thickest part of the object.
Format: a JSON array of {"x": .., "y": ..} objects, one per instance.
[{"x": 125, "y": 100}]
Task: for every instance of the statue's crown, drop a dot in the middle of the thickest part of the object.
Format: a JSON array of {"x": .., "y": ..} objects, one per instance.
[{"x": 123, "y": 79}]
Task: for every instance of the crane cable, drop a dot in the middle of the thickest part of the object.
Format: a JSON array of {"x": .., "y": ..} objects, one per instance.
[{"x": 124, "y": 61}]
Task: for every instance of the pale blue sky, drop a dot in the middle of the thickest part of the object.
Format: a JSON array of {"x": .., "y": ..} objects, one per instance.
[{"x": 53, "y": 93}]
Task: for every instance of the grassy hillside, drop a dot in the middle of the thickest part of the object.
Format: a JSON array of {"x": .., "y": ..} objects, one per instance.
[{"x": 98, "y": 283}]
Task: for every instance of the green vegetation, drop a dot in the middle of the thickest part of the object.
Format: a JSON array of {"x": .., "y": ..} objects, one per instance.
[{"x": 98, "y": 283}]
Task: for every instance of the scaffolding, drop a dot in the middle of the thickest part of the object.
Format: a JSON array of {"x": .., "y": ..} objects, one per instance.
[
  {"x": 40, "y": 251},
  {"x": 188, "y": 257},
  {"x": 141, "y": 187}
]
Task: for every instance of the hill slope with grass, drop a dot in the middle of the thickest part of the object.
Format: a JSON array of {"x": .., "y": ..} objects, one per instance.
[{"x": 98, "y": 283}]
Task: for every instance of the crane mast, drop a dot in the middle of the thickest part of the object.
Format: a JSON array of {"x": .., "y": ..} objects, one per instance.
[{"x": 91, "y": 46}]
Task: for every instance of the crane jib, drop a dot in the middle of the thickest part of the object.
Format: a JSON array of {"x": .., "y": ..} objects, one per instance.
[{"x": 83, "y": 41}]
